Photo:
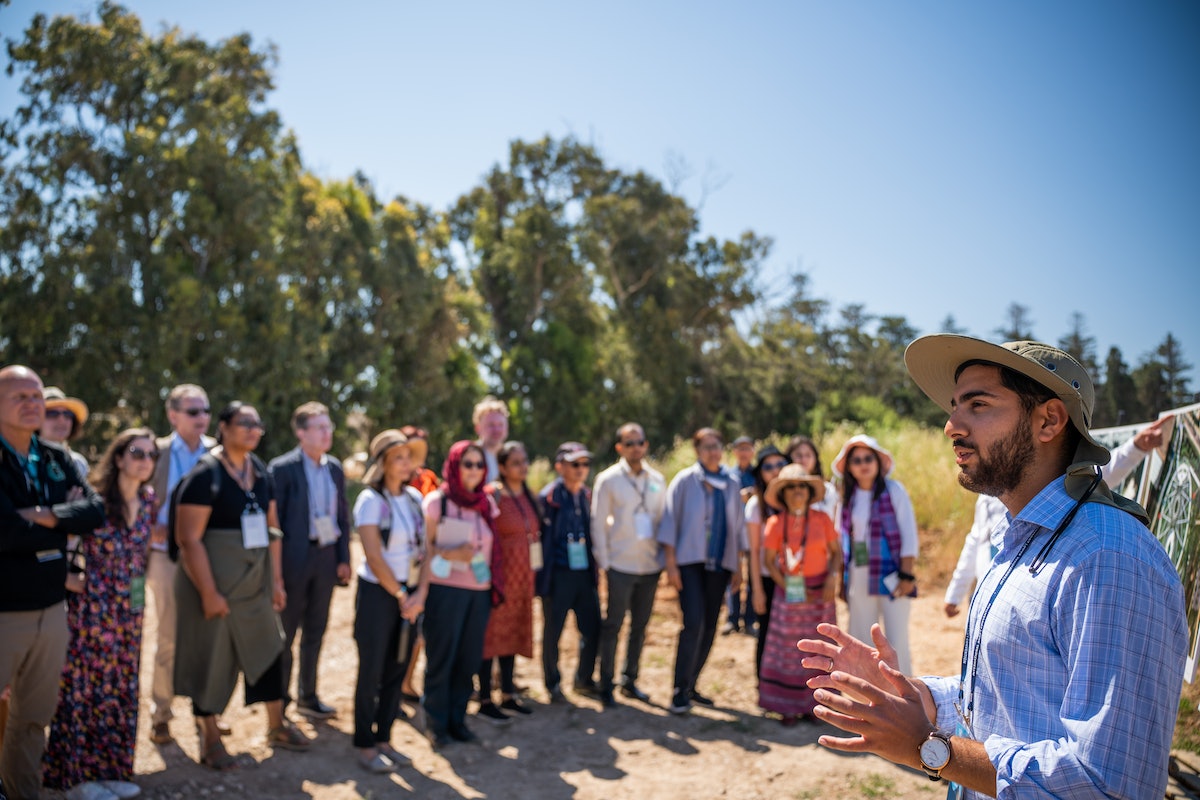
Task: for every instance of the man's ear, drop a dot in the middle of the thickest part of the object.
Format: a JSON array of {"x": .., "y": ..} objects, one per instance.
[{"x": 1050, "y": 420}]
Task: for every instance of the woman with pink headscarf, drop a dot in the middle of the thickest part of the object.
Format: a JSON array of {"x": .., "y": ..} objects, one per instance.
[{"x": 456, "y": 591}]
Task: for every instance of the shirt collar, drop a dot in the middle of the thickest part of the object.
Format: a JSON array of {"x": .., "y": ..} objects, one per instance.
[
  {"x": 1046, "y": 510},
  {"x": 177, "y": 443}
]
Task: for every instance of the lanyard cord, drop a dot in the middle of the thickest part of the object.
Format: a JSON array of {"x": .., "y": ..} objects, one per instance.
[{"x": 1038, "y": 562}]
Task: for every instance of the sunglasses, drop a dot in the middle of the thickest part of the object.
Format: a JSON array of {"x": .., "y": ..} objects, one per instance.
[
  {"x": 579, "y": 464},
  {"x": 774, "y": 466},
  {"x": 138, "y": 454},
  {"x": 863, "y": 460},
  {"x": 56, "y": 413},
  {"x": 633, "y": 442},
  {"x": 195, "y": 412},
  {"x": 250, "y": 424},
  {"x": 474, "y": 465}
]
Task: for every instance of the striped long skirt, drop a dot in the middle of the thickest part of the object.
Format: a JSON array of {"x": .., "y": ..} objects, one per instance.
[{"x": 782, "y": 685}]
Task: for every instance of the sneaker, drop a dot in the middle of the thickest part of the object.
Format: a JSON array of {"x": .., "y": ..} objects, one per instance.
[
  {"x": 489, "y": 712},
  {"x": 90, "y": 791},
  {"x": 680, "y": 702},
  {"x": 516, "y": 706},
  {"x": 632, "y": 691},
  {"x": 314, "y": 709},
  {"x": 730, "y": 627},
  {"x": 701, "y": 699},
  {"x": 378, "y": 764},
  {"x": 122, "y": 789}
]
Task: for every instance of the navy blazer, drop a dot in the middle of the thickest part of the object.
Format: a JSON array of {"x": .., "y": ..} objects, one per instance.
[{"x": 291, "y": 502}]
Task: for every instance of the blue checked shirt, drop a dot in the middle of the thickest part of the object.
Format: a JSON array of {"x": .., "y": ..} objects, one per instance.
[{"x": 1081, "y": 665}]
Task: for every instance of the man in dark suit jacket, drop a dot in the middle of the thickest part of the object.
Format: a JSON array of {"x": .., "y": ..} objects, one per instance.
[{"x": 310, "y": 494}]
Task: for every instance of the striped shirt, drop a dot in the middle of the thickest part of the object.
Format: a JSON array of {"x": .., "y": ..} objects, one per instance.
[{"x": 1081, "y": 665}]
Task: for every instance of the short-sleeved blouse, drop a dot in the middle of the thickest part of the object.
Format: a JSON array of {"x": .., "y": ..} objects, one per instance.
[
  {"x": 231, "y": 501},
  {"x": 816, "y": 546},
  {"x": 461, "y": 575}
]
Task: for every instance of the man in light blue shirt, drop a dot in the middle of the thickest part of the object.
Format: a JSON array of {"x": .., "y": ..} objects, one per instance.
[
  {"x": 1076, "y": 637},
  {"x": 189, "y": 413}
]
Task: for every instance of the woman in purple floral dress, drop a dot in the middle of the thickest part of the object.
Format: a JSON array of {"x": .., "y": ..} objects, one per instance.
[{"x": 95, "y": 727}]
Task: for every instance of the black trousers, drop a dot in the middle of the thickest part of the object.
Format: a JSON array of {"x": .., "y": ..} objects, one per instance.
[
  {"x": 309, "y": 592},
  {"x": 508, "y": 666},
  {"x": 455, "y": 621},
  {"x": 700, "y": 600},
  {"x": 381, "y": 664},
  {"x": 571, "y": 590},
  {"x": 764, "y": 622}
]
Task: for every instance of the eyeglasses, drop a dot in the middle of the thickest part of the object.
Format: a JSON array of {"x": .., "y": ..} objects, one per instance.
[
  {"x": 250, "y": 424},
  {"x": 774, "y": 466},
  {"x": 580, "y": 464},
  {"x": 711, "y": 446},
  {"x": 197, "y": 411},
  {"x": 138, "y": 454},
  {"x": 474, "y": 465},
  {"x": 56, "y": 413},
  {"x": 633, "y": 443},
  {"x": 863, "y": 460}
]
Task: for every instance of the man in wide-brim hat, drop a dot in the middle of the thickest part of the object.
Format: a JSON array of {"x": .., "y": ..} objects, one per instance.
[{"x": 1076, "y": 638}]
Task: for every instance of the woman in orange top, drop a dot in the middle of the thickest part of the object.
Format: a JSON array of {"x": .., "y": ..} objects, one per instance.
[{"x": 804, "y": 556}]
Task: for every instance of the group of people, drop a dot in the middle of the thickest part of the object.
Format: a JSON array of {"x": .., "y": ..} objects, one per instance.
[{"x": 243, "y": 556}]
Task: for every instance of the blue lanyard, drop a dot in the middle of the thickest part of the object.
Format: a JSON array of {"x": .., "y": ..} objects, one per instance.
[{"x": 29, "y": 465}]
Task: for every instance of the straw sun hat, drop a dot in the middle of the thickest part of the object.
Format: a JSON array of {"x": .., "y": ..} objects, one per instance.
[{"x": 793, "y": 475}]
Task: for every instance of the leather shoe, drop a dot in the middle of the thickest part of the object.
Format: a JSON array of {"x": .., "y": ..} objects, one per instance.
[
  {"x": 631, "y": 690},
  {"x": 463, "y": 734},
  {"x": 607, "y": 700},
  {"x": 161, "y": 733},
  {"x": 223, "y": 727},
  {"x": 587, "y": 689}
]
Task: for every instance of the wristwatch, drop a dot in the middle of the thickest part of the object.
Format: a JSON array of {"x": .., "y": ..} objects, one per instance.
[{"x": 935, "y": 755}]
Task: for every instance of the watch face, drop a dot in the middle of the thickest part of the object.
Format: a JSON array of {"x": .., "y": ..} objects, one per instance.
[{"x": 935, "y": 753}]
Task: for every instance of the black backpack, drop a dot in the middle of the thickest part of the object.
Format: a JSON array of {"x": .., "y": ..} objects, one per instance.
[{"x": 213, "y": 464}]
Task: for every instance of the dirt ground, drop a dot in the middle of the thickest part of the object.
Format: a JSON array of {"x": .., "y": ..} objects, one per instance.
[{"x": 576, "y": 751}]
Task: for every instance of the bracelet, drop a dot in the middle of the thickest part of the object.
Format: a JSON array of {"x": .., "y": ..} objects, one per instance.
[{"x": 906, "y": 576}]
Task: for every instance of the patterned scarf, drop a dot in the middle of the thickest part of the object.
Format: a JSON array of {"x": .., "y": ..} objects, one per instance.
[
  {"x": 883, "y": 543},
  {"x": 477, "y": 501}
]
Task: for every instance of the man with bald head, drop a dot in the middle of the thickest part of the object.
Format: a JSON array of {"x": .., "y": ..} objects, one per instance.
[{"x": 42, "y": 500}]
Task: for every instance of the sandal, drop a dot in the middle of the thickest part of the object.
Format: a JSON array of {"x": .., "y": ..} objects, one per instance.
[
  {"x": 287, "y": 737},
  {"x": 217, "y": 758}
]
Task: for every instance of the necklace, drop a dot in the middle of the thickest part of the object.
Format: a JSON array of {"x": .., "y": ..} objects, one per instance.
[{"x": 242, "y": 476}]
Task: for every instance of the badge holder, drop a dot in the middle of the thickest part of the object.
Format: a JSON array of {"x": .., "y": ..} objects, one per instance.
[
  {"x": 327, "y": 533},
  {"x": 535, "y": 555},
  {"x": 795, "y": 590},
  {"x": 642, "y": 525},
  {"x": 576, "y": 554},
  {"x": 137, "y": 593},
  {"x": 862, "y": 555},
  {"x": 479, "y": 566},
  {"x": 254, "y": 529}
]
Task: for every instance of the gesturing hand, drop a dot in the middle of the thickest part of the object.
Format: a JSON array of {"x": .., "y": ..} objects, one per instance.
[{"x": 841, "y": 651}]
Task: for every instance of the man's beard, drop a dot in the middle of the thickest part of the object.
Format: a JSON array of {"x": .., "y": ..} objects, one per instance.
[{"x": 1001, "y": 471}]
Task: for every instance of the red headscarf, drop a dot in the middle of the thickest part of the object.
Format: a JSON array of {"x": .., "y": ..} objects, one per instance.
[{"x": 476, "y": 500}]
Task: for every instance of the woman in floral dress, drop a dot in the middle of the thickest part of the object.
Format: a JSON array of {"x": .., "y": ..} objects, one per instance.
[
  {"x": 510, "y": 627},
  {"x": 95, "y": 727}
]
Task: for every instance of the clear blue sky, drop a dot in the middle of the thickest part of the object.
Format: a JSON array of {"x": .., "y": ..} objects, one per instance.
[{"x": 920, "y": 158}]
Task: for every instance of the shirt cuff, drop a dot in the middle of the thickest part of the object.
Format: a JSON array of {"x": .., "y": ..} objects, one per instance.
[{"x": 945, "y": 693}]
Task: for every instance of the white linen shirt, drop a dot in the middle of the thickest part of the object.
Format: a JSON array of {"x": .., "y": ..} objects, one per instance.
[{"x": 617, "y": 495}]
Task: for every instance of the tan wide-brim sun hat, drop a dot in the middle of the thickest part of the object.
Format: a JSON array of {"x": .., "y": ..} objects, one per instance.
[
  {"x": 933, "y": 360},
  {"x": 57, "y": 398},
  {"x": 384, "y": 441},
  {"x": 793, "y": 475},
  {"x": 886, "y": 462}
]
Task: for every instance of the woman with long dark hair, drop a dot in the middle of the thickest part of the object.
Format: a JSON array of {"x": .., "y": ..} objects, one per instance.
[
  {"x": 229, "y": 591},
  {"x": 94, "y": 730},
  {"x": 767, "y": 464},
  {"x": 879, "y": 544},
  {"x": 391, "y": 527},
  {"x": 456, "y": 591},
  {"x": 510, "y": 627}
]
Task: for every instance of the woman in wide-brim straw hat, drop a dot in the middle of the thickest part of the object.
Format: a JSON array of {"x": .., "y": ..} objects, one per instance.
[
  {"x": 879, "y": 543},
  {"x": 803, "y": 554},
  {"x": 391, "y": 526}
]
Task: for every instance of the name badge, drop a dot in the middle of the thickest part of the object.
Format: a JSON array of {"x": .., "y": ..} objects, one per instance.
[
  {"x": 535, "y": 556},
  {"x": 48, "y": 555},
  {"x": 577, "y": 554},
  {"x": 794, "y": 589},
  {"x": 642, "y": 525},
  {"x": 327, "y": 532},
  {"x": 479, "y": 566},
  {"x": 137, "y": 593},
  {"x": 440, "y": 567},
  {"x": 414, "y": 569},
  {"x": 254, "y": 530},
  {"x": 862, "y": 555}
]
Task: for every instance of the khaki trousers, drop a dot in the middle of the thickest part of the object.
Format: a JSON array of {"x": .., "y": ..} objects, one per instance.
[
  {"x": 160, "y": 580},
  {"x": 33, "y": 647}
]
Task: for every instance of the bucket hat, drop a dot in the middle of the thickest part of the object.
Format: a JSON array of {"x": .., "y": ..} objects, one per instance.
[
  {"x": 932, "y": 361},
  {"x": 886, "y": 462}
]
